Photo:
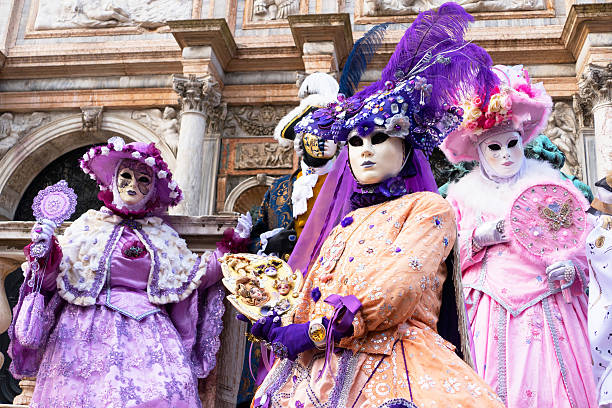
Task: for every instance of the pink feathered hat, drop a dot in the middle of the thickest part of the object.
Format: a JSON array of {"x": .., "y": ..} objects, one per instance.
[
  {"x": 100, "y": 162},
  {"x": 515, "y": 104}
]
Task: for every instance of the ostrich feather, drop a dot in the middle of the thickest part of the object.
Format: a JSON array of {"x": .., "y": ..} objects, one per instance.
[
  {"x": 359, "y": 58},
  {"x": 441, "y": 33}
]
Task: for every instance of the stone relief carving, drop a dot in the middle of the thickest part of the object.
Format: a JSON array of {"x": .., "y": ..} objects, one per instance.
[
  {"x": 216, "y": 119},
  {"x": 13, "y": 127},
  {"x": 274, "y": 9},
  {"x": 148, "y": 14},
  {"x": 92, "y": 118},
  {"x": 253, "y": 120},
  {"x": 263, "y": 156},
  {"x": 403, "y": 7},
  {"x": 165, "y": 124},
  {"x": 561, "y": 130}
]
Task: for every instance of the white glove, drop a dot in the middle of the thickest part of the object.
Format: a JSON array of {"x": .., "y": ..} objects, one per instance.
[
  {"x": 562, "y": 270},
  {"x": 42, "y": 233},
  {"x": 244, "y": 226},
  {"x": 490, "y": 233}
]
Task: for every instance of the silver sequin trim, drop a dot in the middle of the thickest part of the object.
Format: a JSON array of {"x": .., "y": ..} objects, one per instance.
[
  {"x": 555, "y": 337},
  {"x": 501, "y": 356}
]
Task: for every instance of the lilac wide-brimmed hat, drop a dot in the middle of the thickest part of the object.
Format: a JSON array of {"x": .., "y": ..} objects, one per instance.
[
  {"x": 100, "y": 162},
  {"x": 516, "y": 104}
]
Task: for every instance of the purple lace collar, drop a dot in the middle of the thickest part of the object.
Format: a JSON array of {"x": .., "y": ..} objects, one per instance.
[{"x": 372, "y": 194}]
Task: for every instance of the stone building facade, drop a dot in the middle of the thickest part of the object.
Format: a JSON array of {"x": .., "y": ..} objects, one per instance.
[{"x": 208, "y": 80}]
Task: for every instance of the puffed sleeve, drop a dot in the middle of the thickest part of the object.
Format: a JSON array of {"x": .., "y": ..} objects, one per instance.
[
  {"x": 465, "y": 236},
  {"x": 411, "y": 262}
]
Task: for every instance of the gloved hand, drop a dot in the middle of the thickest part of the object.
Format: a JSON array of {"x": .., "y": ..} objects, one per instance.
[
  {"x": 282, "y": 243},
  {"x": 294, "y": 339},
  {"x": 286, "y": 341},
  {"x": 561, "y": 270},
  {"x": 41, "y": 235},
  {"x": 244, "y": 226},
  {"x": 490, "y": 233}
]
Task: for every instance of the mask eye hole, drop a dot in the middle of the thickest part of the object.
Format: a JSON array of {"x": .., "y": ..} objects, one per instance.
[
  {"x": 355, "y": 141},
  {"x": 143, "y": 179},
  {"x": 513, "y": 143},
  {"x": 379, "y": 138},
  {"x": 495, "y": 147},
  {"x": 126, "y": 175}
]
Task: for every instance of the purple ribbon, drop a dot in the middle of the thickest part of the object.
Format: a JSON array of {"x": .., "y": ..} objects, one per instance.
[{"x": 345, "y": 309}]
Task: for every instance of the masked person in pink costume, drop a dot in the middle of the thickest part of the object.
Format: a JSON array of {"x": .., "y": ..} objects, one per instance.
[
  {"x": 364, "y": 332},
  {"x": 132, "y": 317},
  {"x": 530, "y": 345}
]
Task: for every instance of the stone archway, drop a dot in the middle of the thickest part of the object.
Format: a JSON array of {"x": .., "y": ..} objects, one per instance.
[
  {"x": 247, "y": 194},
  {"x": 33, "y": 153}
]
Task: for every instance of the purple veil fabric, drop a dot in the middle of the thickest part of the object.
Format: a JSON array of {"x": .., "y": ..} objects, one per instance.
[{"x": 333, "y": 203}]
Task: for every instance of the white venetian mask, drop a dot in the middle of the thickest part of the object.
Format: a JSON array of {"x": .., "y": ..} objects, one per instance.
[
  {"x": 376, "y": 157},
  {"x": 503, "y": 153},
  {"x": 134, "y": 181}
]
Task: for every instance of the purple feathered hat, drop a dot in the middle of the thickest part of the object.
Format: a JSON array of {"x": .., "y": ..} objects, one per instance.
[
  {"x": 100, "y": 162},
  {"x": 432, "y": 67}
]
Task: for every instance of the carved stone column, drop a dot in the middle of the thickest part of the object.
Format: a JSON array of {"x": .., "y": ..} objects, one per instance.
[
  {"x": 198, "y": 148},
  {"x": 594, "y": 103}
]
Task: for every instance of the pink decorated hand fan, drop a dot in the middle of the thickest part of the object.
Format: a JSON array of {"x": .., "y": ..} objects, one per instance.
[{"x": 548, "y": 223}]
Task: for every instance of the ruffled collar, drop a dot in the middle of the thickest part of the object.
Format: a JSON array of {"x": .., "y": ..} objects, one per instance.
[{"x": 372, "y": 194}]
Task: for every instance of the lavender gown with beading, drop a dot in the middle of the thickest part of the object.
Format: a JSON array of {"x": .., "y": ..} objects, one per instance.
[{"x": 125, "y": 351}]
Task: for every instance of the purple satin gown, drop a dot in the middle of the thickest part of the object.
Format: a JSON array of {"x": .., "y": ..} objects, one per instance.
[{"x": 125, "y": 351}]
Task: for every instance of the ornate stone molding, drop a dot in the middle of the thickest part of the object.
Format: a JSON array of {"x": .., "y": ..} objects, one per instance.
[
  {"x": 594, "y": 88},
  {"x": 14, "y": 127},
  {"x": 197, "y": 94},
  {"x": 271, "y": 13},
  {"x": 91, "y": 117},
  {"x": 253, "y": 120},
  {"x": 375, "y": 8},
  {"x": 95, "y": 15}
]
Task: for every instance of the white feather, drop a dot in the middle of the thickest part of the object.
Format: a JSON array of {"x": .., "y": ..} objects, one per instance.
[
  {"x": 481, "y": 194},
  {"x": 319, "y": 84}
]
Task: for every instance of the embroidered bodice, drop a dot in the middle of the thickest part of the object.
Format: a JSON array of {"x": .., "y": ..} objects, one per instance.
[
  {"x": 126, "y": 288},
  {"x": 391, "y": 256}
]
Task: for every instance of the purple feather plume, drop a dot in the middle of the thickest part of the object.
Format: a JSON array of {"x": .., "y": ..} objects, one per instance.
[{"x": 432, "y": 33}]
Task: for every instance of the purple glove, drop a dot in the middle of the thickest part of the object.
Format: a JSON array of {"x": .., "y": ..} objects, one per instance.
[
  {"x": 289, "y": 341},
  {"x": 286, "y": 341}
]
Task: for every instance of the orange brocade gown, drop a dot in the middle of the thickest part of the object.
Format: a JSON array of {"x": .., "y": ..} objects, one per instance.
[{"x": 391, "y": 257}]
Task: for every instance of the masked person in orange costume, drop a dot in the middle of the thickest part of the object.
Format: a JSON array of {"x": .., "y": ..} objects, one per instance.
[{"x": 364, "y": 334}]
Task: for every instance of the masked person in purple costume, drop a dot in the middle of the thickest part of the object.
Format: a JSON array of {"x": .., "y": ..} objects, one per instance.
[
  {"x": 364, "y": 332},
  {"x": 132, "y": 317}
]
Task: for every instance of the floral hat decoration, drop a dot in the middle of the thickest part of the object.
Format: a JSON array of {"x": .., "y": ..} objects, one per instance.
[
  {"x": 515, "y": 104},
  {"x": 100, "y": 163},
  {"x": 431, "y": 66}
]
